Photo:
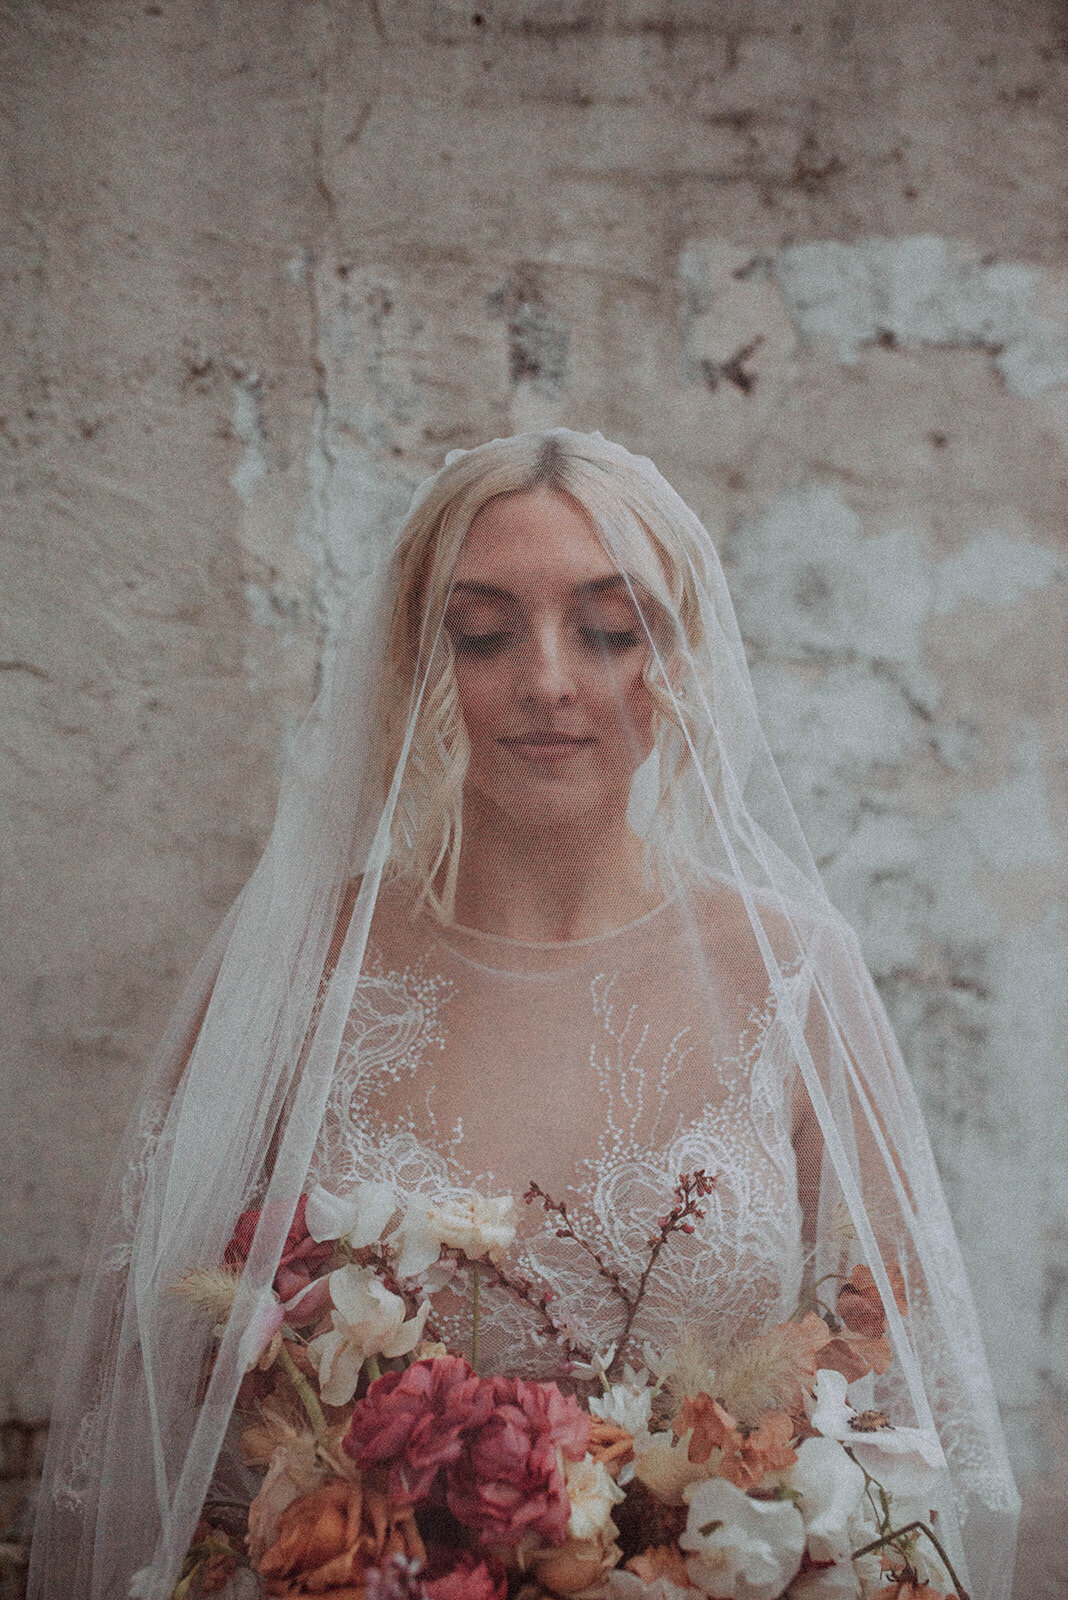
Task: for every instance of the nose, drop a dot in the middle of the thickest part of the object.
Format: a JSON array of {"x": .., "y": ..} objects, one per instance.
[{"x": 547, "y": 674}]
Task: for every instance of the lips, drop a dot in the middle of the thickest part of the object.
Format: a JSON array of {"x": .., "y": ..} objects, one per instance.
[{"x": 547, "y": 743}]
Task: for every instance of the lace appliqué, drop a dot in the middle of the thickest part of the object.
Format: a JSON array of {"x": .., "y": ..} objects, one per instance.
[{"x": 740, "y": 1269}]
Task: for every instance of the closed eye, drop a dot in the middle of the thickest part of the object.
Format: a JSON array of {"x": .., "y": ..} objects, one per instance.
[
  {"x": 613, "y": 639},
  {"x": 479, "y": 644}
]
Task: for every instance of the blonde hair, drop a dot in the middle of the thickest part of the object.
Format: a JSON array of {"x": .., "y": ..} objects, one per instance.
[{"x": 637, "y": 517}]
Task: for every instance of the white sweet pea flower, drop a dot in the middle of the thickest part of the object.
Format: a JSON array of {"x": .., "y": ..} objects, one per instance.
[
  {"x": 832, "y": 1412},
  {"x": 368, "y": 1320},
  {"x": 592, "y": 1492},
  {"x": 831, "y": 1490},
  {"x": 417, "y": 1241},
  {"x": 906, "y": 1461},
  {"x": 747, "y": 1549},
  {"x": 358, "y": 1217},
  {"x": 479, "y": 1226}
]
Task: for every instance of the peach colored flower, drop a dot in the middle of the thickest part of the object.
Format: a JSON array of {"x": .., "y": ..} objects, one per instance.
[
  {"x": 863, "y": 1346},
  {"x": 711, "y": 1427},
  {"x": 575, "y": 1566},
  {"x": 860, "y": 1306},
  {"x": 855, "y": 1356},
  {"x": 327, "y": 1541},
  {"x": 745, "y": 1458},
  {"x": 660, "y": 1565},
  {"x": 612, "y": 1445}
]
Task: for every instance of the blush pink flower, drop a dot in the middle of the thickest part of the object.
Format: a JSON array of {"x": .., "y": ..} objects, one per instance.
[
  {"x": 507, "y": 1482},
  {"x": 302, "y": 1256},
  {"x": 461, "y": 1575},
  {"x": 417, "y": 1421}
]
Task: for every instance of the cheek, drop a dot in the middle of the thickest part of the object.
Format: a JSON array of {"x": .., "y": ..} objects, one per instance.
[
  {"x": 480, "y": 704},
  {"x": 627, "y": 709}
]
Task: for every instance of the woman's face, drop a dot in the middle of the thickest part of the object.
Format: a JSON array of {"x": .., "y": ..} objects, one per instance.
[{"x": 549, "y": 650}]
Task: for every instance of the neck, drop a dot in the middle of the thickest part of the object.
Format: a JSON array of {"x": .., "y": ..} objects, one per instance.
[{"x": 545, "y": 882}]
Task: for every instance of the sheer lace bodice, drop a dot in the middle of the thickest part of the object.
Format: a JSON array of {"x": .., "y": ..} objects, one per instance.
[{"x": 600, "y": 1069}]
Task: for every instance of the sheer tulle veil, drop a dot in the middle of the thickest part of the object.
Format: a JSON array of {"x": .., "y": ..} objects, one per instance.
[{"x": 371, "y": 796}]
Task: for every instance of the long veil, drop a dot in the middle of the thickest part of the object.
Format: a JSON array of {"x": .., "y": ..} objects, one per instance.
[{"x": 236, "y": 1096}]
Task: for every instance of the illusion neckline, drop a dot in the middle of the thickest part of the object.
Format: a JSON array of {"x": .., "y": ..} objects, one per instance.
[{"x": 509, "y": 942}]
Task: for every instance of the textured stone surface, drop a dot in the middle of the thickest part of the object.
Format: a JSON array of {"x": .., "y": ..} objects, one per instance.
[{"x": 808, "y": 254}]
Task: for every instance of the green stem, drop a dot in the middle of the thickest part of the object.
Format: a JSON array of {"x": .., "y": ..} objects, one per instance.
[
  {"x": 921, "y": 1527},
  {"x": 474, "y": 1315},
  {"x": 307, "y": 1394}
]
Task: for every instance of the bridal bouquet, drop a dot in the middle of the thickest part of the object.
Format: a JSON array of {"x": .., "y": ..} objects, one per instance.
[{"x": 393, "y": 1469}]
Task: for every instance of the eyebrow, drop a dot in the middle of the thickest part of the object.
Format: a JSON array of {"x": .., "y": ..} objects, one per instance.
[{"x": 492, "y": 591}]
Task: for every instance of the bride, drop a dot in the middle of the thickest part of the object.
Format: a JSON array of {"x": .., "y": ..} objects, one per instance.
[{"x": 535, "y": 910}]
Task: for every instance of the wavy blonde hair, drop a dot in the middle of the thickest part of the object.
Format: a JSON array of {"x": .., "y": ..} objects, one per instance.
[{"x": 637, "y": 517}]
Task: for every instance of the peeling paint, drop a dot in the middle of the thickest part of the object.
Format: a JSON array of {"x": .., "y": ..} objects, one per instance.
[
  {"x": 923, "y": 290},
  {"x": 249, "y": 427},
  {"x": 809, "y": 584},
  {"x": 995, "y": 568},
  {"x": 351, "y": 502},
  {"x": 1009, "y": 824}
]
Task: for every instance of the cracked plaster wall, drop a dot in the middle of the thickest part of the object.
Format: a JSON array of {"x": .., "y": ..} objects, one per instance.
[{"x": 809, "y": 256}]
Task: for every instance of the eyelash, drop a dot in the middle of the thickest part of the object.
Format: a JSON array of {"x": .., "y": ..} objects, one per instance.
[{"x": 484, "y": 645}]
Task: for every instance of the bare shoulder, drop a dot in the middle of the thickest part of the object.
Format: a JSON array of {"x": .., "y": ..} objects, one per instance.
[
  {"x": 391, "y": 930},
  {"x": 738, "y": 925}
]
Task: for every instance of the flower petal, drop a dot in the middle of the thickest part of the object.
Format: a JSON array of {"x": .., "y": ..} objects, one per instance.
[
  {"x": 375, "y": 1204},
  {"x": 328, "y": 1216}
]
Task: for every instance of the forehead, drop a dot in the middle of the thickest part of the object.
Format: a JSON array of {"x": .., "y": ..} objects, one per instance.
[{"x": 537, "y": 539}]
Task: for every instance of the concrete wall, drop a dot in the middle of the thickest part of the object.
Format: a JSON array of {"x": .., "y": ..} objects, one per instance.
[{"x": 265, "y": 262}]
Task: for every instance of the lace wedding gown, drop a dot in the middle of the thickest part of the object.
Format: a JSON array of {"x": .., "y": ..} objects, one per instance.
[{"x": 601, "y": 1069}]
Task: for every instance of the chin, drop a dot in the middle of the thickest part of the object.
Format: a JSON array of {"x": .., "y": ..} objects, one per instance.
[{"x": 554, "y": 801}]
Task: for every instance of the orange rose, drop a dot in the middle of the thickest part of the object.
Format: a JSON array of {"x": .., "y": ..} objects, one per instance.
[
  {"x": 577, "y": 1564},
  {"x": 327, "y": 1540}
]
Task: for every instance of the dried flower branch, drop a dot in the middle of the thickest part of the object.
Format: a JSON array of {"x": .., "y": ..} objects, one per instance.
[
  {"x": 565, "y": 1230},
  {"x": 689, "y": 1191}
]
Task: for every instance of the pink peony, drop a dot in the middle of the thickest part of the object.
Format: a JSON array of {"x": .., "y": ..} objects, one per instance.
[
  {"x": 301, "y": 1259},
  {"x": 417, "y": 1421},
  {"x": 507, "y": 1481},
  {"x": 459, "y": 1575}
]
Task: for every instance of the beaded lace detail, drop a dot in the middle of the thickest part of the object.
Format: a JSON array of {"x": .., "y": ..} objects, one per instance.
[{"x": 636, "y": 1090}]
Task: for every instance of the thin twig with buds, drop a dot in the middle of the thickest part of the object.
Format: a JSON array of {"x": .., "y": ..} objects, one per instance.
[
  {"x": 565, "y": 1230},
  {"x": 690, "y": 1189}
]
